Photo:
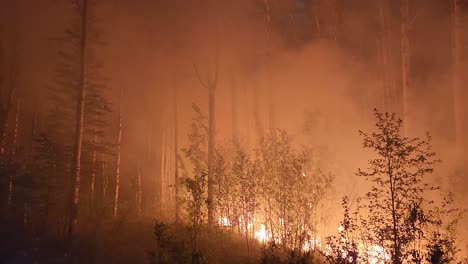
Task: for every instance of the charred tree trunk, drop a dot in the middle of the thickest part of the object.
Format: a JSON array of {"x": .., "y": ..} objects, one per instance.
[
  {"x": 405, "y": 61},
  {"x": 79, "y": 126},
  {"x": 456, "y": 74},
  {"x": 117, "y": 169}
]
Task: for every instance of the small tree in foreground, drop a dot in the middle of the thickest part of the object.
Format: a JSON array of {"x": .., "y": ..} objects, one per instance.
[
  {"x": 395, "y": 202},
  {"x": 395, "y": 222}
]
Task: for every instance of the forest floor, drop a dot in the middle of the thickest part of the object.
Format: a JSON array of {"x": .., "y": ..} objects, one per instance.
[
  {"x": 132, "y": 241},
  {"x": 142, "y": 241}
]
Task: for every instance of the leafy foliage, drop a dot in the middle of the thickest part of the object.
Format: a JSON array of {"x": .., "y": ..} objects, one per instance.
[{"x": 394, "y": 222}]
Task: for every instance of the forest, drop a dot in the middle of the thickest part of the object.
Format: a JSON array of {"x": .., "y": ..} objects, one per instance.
[{"x": 236, "y": 131}]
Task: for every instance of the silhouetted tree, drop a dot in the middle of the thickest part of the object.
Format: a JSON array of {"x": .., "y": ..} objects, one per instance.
[{"x": 457, "y": 26}]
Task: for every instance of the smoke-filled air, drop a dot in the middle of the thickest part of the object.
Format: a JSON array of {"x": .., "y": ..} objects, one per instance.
[{"x": 233, "y": 131}]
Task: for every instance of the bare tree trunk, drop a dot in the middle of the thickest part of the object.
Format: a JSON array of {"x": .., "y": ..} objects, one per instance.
[
  {"x": 79, "y": 127},
  {"x": 211, "y": 146},
  {"x": 211, "y": 86},
  {"x": 139, "y": 195},
  {"x": 334, "y": 26},
  {"x": 5, "y": 112},
  {"x": 34, "y": 130},
  {"x": 117, "y": 170},
  {"x": 176, "y": 149},
  {"x": 235, "y": 128},
  {"x": 168, "y": 179},
  {"x": 270, "y": 88},
  {"x": 405, "y": 61},
  {"x": 15, "y": 132},
  {"x": 456, "y": 75},
  {"x": 316, "y": 14},
  {"x": 161, "y": 184},
  {"x": 4, "y": 136},
  {"x": 93, "y": 173},
  {"x": 384, "y": 43},
  {"x": 105, "y": 179},
  {"x": 256, "y": 110},
  {"x": 11, "y": 72},
  {"x": 13, "y": 150},
  {"x": 164, "y": 188}
]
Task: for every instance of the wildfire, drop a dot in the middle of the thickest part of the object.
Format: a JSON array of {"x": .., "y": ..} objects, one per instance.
[
  {"x": 374, "y": 254},
  {"x": 224, "y": 221},
  {"x": 262, "y": 234},
  {"x": 377, "y": 255}
]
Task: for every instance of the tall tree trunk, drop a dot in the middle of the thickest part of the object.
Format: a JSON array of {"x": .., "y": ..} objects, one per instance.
[
  {"x": 105, "y": 179},
  {"x": 456, "y": 75},
  {"x": 211, "y": 85},
  {"x": 5, "y": 113},
  {"x": 117, "y": 169},
  {"x": 161, "y": 183},
  {"x": 93, "y": 172},
  {"x": 270, "y": 88},
  {"x": 79, "y": 126},
  {"x": 384, "y": 53},
  {"x": 235, "y": 128},
  {"x": 176, "y": 150},
  {"x": 316, "y": 15},
  {"x": 3, "y": 139},
  {"x": 33, "y": 131},
  {"x": 334, "y": 26},
  {"x": 138, "y": 195},
  {"x": 211, "y": 146},
  {"x": 15, "y": 128},
  {"x": 169, "y": 176},
  {"x": 9, "y": 80},
  {"x": 13, "y": 150},
  {"x": 164, "y": 185},
  {"x": 405, "y": 61},
  {"x": 256, "y": 110}
]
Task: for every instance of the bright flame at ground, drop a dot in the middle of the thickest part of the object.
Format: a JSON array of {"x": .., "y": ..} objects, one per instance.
[
  {"x": 262, "y": 234},
  {"x": 374, "y": 254},
  {"x": 224, "y": 221}
]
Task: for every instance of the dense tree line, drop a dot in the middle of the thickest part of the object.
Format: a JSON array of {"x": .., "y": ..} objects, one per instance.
[{"x": 63, "y": 160}]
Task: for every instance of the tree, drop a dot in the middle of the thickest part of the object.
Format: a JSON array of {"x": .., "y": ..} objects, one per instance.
[
  {"x": 456, "y": 74},
  {"x": 196, "y": 198},
  {"x": 79, "y": 125},
  {"x": 211, "y": 84},
  {"x": 77, "y": 108},
  {"x": 394, "y": 222},
  {"x": 291, "y": 186},
  {"x": 117, "y": 167},
  {"x": 405, "y": 58},
  {"x": 385, "y": 54},
  {"x": 176, "y": 154},
  {"x": 395, "y": 202}
]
